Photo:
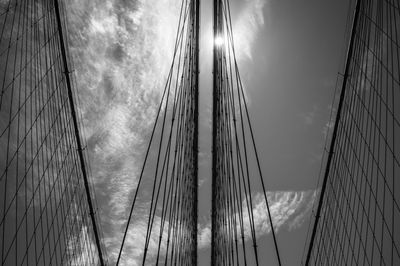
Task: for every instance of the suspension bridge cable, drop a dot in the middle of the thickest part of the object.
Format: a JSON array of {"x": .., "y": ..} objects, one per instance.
[
  {"x": 359, "y": 201},
  {"x": 173, "y": 181},
  {"x": 335, "y": 130},
  {"x": 47, "y": 215},
  {"x": 232, "y": 171}
]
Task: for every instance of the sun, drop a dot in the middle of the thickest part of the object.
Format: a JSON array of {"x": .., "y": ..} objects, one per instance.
[{"x": 218, "y": 41}]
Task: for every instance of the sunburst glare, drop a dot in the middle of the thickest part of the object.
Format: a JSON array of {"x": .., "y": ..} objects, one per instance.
[{"x": 218, "y": 41}]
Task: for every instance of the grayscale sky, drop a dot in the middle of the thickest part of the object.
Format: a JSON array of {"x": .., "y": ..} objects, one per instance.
[{"x": 289, "y": 54}]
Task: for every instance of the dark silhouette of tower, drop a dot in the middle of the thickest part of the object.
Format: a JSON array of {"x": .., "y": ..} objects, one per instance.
[
  {"x": 46, "y": 212},
  {"x": 356, "y": 222}
]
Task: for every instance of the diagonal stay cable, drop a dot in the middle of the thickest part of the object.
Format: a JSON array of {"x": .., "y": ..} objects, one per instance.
[{"x": 178, "y": 36}]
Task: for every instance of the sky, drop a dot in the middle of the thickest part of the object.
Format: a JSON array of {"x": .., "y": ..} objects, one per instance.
[{"x": 289, "y": 55}]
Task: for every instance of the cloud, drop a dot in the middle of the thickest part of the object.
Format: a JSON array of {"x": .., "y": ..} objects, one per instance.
[
  {"x": 204, "y": 236},
  {"x": 134, "y": 243},
  {"x": 246, "y": 24},
  {"x": 80, "y": 247},
  {"x": 309, "y": 117},
  {"x": 289, "y": 209},
  {"x": 246, "y": 27},
  {"x": 122, "y": 52},
  {"x": 327, "y": 129}
]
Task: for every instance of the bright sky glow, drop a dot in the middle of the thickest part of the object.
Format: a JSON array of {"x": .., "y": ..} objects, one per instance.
[{"x": 218, "y": 41}]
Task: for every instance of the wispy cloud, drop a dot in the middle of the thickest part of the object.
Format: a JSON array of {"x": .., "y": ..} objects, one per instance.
[
  {"x": 122, "y": 52},
  {"x": 326, "y": 130},
  {"x": 247, "y": 23},
  {"x": 310, "y": 116},
  {"x": 246, "y": 27},
  {"x": 80, "y": 248},
  {"x": 289, "y": 209},
  {"x": 135, "y": 242}
]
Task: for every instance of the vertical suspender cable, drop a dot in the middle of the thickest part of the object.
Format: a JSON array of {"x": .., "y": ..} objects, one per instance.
[
  {"x": 214, "y": 136},
  {"x": 196, "y": 128}
]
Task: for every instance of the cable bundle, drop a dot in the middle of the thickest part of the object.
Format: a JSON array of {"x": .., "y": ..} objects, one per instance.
[
  {"x": 236, "y": 171},
  {"x": 171, "y": 220}
]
